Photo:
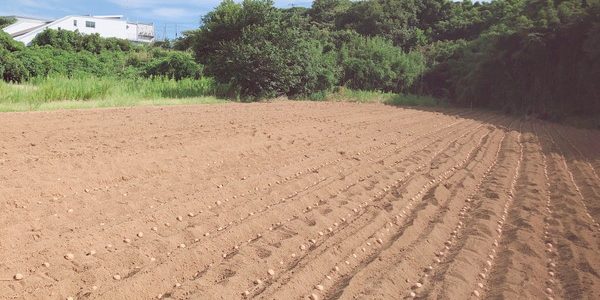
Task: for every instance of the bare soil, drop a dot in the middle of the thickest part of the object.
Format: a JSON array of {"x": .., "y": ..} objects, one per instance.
[{"x": 290, "y": 200}]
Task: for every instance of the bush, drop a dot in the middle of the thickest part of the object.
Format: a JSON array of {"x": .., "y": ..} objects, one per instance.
[
  {"x": 11, "y": 68},
  {"x": 376, "y": 64},
  {"x": 44, "y": 61},
  {"x": 8, "y": 43},
  {"x": 6, "y": 21},
  {"x": 75, "y": 41},
  {"x": 175, "y": 65}
]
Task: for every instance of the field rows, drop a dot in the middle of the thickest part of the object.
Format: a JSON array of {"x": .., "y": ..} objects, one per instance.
[{"x": 294, "y": 201}]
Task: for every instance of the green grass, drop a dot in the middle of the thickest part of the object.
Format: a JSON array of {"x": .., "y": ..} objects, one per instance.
[
  {"x": 348, "y": 95},
  {"x": 90, "y": 92},
  {"x": 414, "y": 100}
]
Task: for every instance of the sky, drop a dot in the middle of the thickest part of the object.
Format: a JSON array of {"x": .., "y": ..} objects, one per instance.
[{"x": 169, "y": 16}]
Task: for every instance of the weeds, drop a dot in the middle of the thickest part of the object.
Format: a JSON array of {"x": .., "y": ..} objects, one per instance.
[
  {"x": 50, "y": 93},
  {"x": 87, "y": 92}
]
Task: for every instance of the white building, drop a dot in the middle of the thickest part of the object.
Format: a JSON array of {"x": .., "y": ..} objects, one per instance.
[{"x": 25, "y": 29}]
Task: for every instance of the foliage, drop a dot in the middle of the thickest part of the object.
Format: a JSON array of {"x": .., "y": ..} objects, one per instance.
[
  {"x": 362, "y": 96},
  {"x": 8, "y": 43},
  {"x": 270, "y": 61},
  {"x": 255, "y": 47},
  {"x": 326, "y": 13},
  {"x": 375, "y": 64},
  {"x": 74, "y": 41},
  {"x": 176, "y": 65},
  {"x": 70, "y": 54},
  {"x": 542, "y": 63},
  {"x": 6, "y": 21},
  {"x": 11, "y": 68},
  {"x": 226, "y": 23},
  {"x": 86, "y": 88},
  {"x": 392, "y": 19}
]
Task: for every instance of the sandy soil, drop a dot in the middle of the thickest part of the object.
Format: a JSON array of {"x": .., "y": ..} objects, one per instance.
[{"x": 293, "y": 200}]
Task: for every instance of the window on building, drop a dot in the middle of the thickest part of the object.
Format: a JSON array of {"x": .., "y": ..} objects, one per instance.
[
  {"x": 75, "y": 23},
  {"x": 90, "y": 24}
]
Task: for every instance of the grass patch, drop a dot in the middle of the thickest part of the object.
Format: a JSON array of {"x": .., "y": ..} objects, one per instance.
[
  {"x": 347, "y": 95},
  {"x": 414, "y": 100},
  {"x": 91, "y": 92},
  {"x": 54, "y": 93}
]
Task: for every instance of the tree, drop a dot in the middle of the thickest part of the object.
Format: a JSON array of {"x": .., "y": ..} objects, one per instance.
[
  {"x": 270, "y": 61},
  {"x": 396, "y": 20},
  {"x": 326, "y": 12},
  {"x": 226, "y": 23}
]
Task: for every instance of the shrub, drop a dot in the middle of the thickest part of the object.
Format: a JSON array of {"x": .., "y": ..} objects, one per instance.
[
  {"x": 8, "y": 43},
  {"x": 6, "y": 21},
  {"x": 376, "y": 64},
  {"x": 11, "y": 68},
  {"x": 75, "y": 41},
  {"x": 175, "y": 65}
]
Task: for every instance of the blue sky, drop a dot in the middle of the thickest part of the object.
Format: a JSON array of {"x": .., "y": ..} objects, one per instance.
[{"x": 169, "y": 16}]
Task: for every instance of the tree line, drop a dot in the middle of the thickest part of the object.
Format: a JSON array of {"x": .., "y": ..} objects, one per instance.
[
  {"x": 539, "y": 56},
  {"x": 67, "y": 53}
]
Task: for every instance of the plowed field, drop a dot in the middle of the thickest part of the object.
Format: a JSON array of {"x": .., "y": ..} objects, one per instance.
[{"x": 293, "y": 200}]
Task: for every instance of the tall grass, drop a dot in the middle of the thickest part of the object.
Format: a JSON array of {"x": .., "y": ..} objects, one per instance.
[
  {"x": 104, "y": 90},
  {"x": 89, "y": 92}
]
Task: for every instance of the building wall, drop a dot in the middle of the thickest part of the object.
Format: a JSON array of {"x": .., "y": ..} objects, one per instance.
[
  {"x": 131, "y": 31},
  {"x": 106, "y": 27}
]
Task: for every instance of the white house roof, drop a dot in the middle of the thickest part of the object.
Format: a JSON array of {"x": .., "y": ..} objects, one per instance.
[
  {"x": 110, "y": 17},
  {"x": 31, "y": 18}
]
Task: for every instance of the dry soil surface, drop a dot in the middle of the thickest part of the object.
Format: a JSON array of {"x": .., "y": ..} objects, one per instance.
[{"x": 293, "y": 200}]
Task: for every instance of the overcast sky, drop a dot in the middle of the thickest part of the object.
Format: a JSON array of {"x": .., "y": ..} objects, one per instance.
[{"x": 169, "y": 16}]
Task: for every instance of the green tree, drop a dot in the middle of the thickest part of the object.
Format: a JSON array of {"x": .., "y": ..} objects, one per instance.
[
  {"x": 269, "y": 61},
  {"x": 327, "y": 12},
  {"x": 226, "y": 23}
]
